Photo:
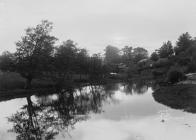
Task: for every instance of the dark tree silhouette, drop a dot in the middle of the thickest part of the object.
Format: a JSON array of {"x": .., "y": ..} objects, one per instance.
[
  {"x": 65, "y": 59},
  {"x": 7, "y": 61},
  {"x": 154, "y": 56},
  {"x": 127, "y": 56},
  {"x": 139, "y": 54},
  {"x": 34, "y": 51},
  {"x": 166, "y": 50},
  {"x": 183, "y": 43}
]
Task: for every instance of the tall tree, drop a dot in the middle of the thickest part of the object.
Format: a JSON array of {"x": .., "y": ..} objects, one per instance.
[
  {"x": 82, "y": 62},
  {"x": 95, "y": 66},
  {"x": 127, "y": 55},
  {"x": 112, "y": 55},
  {"x": 166, "y": 50},
  {"x": 34, "y": 51},
  {"x": 184, "y": 42},
  {"x": 65, "y": 59},
  {"x": 139, "y": 53},
  {"x": 154, "y": 56}
]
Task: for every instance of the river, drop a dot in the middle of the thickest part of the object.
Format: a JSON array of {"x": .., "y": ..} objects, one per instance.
[{"x": 116, "y": 111}]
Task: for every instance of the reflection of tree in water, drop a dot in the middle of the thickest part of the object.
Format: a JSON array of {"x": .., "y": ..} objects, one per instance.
[
  {"x": 128, "y": 88},
  {"x": 110, "y": 88},
  {"x": 46, "y": 116},
  {"x": 44, "y": 120},
  {"x": 136, "y": 86},
  {"x": 140, "y": 87},
  {"x": 31, "y": 122}
]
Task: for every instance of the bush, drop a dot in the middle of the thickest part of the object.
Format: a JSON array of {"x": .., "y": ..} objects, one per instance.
[
  {"x": 11, "y": 80},
  {"x": 132, "y": 70},
  {"x": 175, "y": 75}
]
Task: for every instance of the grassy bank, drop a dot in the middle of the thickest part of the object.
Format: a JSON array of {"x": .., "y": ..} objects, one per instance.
[
  {"x": 10, "y": 80},
  {"x": 180, "y": 89},
  {"x": 13, "y": 81},
  {"x": 182, "y": 96}
]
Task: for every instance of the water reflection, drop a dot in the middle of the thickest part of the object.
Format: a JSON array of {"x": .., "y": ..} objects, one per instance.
[
  {"x": 140, "y": 87},
  {"x": 118, "y": 111},
  {"x": 45, "y": 116}
]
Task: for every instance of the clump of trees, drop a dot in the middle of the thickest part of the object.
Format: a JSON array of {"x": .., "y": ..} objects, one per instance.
[
  {"x": 128, "y": 56},
  {"x": 37, "y": 55},
  {"x": 34, "y": 52},
  {"x": 179, "y": 59},
  {"x": 166, "y": 50},
  {"x": 175, "y": 74}
]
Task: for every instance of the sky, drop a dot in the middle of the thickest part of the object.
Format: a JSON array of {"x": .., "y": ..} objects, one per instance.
[{"x": 94, "y": 24}]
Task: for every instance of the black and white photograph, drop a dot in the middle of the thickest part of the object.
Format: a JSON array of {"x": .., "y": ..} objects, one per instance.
[{"x": 97, "y": 69}]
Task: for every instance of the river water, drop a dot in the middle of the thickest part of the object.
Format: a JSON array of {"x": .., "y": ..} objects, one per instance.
[{"x": 115, "y": 111}]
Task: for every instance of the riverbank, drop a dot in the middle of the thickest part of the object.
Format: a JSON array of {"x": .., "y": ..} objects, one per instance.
[
  {"x": 13, "y": 81},
  {"x": 180, "y": 96},
  {"x": 12, "y": 86}
]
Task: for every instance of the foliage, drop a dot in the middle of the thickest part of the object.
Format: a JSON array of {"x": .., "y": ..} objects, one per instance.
[
  {"x": 175, "y": 74},
  {"x": 7, "y": 61},
  {"x": 34, "y": 51},
  {"x": 112, "y": 54},
  {"x": 11, "y": 80},
  {"x": 132, "y": 70},
  {"x": 154, "y": 56},
  {"x": 162, "y": 62},
  {"x": 127, "y": 56},
  {"x": 139, "y": 54},
  {"x": 178, "y": 63},
  {"x": 96, "y": 68},
  {"x": 82, "y": 61},
  {"x": 65, "y": 57},
  {"x": 37, "y": 56},
  {"x": 166, "y": 50},
  {"x": 184, "y": 42}
]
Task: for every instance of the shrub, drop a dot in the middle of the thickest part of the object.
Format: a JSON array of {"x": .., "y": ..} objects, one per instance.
[
  {"x": 11, "y": 80},
  {"x": 175, "y": 75},
  {"x": 132, "y": 70}
]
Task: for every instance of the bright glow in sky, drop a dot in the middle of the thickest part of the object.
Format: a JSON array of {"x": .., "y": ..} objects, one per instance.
[{"x": 94, "y": 24}]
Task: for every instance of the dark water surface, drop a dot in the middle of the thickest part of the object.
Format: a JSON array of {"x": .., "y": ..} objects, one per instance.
[{"x": 109, "y": 112}]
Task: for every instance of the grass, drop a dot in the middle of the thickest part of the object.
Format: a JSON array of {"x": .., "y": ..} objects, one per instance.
[
  {"x": 179, "y": 89},
  {"x": 13, "y": 81},
  {"x": 181, "y": 96},
  {"x": 10, "y": 80}
]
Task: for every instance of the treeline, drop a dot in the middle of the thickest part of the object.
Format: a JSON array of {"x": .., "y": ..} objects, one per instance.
[
  {"x": 174, "y": 61},
  {"x": 169, "y": 63},
  {"x": 37, "y": 55}
]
